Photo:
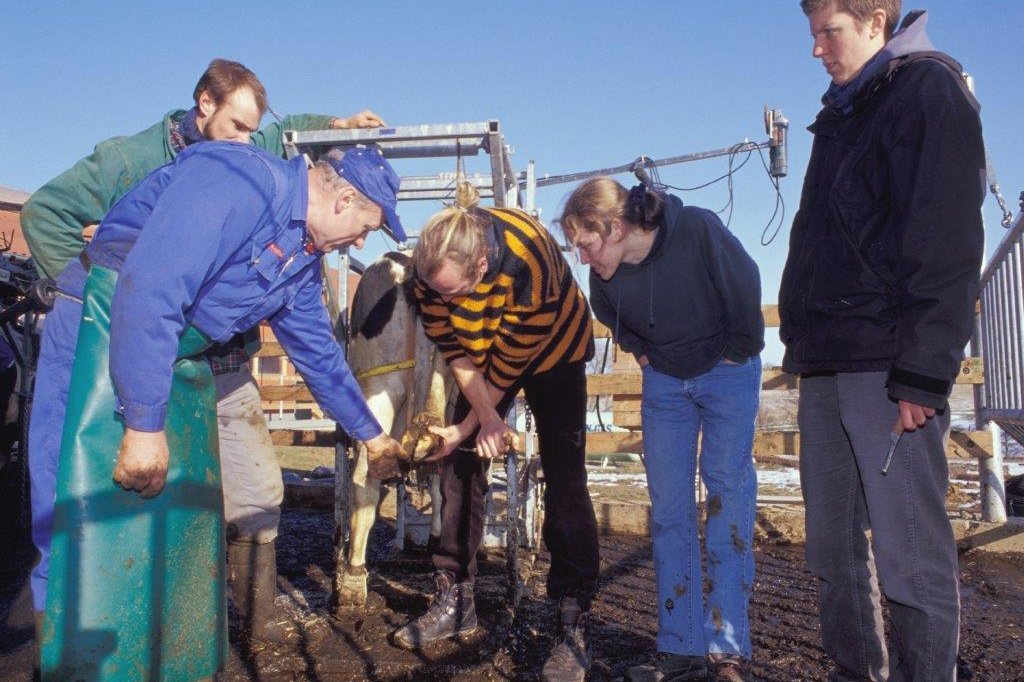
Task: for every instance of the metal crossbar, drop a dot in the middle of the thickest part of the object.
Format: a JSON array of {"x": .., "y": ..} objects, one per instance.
[{"x": 425, "y": 142}]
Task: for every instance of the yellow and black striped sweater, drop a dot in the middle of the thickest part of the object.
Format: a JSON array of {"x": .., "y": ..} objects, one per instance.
[{"x": 526, "y": 315}]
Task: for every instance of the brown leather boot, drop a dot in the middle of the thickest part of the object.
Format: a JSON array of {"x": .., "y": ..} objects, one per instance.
[
  {"x": 450, "y": 614},
  {"x": 252, "y": 577}
]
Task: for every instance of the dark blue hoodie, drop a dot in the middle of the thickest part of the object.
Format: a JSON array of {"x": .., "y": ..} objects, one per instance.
[{"x": 694, "y": 299}]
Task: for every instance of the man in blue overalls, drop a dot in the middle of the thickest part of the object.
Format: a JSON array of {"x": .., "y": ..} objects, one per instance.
[{"x": 220, "y": 239}]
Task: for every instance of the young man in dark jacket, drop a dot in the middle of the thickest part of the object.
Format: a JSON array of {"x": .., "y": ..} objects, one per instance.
[{"x": 876, "y": 305}]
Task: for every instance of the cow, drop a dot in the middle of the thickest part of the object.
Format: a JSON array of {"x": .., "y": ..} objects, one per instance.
[{"x": 407, "y": 385}]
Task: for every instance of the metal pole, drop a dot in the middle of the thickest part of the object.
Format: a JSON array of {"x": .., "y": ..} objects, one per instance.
[
  {"x": 745, "y": 146},
  {"x": 341, "y": 440},
  {"x": 512, "y": 525},
  {"x": 26, "y": 380},
  {"x": 990, "y": 472},
  {"x": 531, "y": 189}
]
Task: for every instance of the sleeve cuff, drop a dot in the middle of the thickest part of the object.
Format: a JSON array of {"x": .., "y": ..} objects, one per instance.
[
  {"x": 919, "y": 389},
  {"x": 143, "y": 417},
  {"x": 364, "y": 430}
]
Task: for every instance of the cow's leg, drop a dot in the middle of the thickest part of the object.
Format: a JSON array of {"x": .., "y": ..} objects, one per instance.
[
  {"x": 436, "y": 402},
  {"x": 364, "y": 492}
]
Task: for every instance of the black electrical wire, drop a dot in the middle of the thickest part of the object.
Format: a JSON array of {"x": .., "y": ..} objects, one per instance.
[
  {"x": 731, "y": 170},
  {"x": 780, "y": 203},
  {"x": 597, "y": 398}
]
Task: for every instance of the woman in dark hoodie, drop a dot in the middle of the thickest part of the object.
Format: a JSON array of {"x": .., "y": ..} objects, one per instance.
[{"x": 679, "y": 292}]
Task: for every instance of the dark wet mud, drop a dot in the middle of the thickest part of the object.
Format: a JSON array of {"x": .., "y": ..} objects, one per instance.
[{"x": 354, "y": 645}]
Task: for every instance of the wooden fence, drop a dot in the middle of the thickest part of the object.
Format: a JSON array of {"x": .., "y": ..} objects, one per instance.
[{"x": 623, "y": 385}]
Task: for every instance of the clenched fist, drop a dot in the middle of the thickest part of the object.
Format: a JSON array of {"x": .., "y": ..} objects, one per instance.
[{"x": 142, "y": 462}]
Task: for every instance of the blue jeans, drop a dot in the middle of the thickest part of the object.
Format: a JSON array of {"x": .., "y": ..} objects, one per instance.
[
  {"x": 721, "y": 403},
  {"x": 46, "y": 423}
]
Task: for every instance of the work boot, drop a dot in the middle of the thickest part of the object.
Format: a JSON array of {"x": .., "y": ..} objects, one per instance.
[
  {"x": 252, "y": 577},
  {"x": 450, "y": 614},
  {"x": 569, "y": 661},
  {"x": 726, "y": 668},
  {"x": 669, "y": 668}
]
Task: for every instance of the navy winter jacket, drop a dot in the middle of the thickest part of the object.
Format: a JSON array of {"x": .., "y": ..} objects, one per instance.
[{"x": 885, "y": 250}]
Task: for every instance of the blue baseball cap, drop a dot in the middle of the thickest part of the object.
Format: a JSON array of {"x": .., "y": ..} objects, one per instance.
[{"x": 370, "y": 173}]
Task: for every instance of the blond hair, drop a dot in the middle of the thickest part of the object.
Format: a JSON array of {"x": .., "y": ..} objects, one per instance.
[{"x": 456, "y": 233}]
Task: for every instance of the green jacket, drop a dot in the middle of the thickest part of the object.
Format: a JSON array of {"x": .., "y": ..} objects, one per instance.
[{"x": 53, "y": 218}]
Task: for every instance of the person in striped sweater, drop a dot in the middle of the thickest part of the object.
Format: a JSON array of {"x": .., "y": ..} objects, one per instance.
[{"x": 499, "y": 300}]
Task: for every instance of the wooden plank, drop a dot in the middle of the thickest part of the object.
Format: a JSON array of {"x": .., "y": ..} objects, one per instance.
[
  {"x": 626, "y": 383},
  {"x": 631, "y": 383},
  {"x": 627, "y": 420},
  {"x": 306, "y": 438},
  {"x": 614, "y": 441},
  {"x": 298, "y": 392},
  {"x": 622, "y": 386},
  {"x": 770, "y": 447},
  {"x": 972, "y": 371},
  {"x": 624, "y": 362},
  {"x": 601, "y": 331},
  {"x": 961, "y": 445},
  {"x": 970, "y": 444},
  {"x": 270, "y": 349}
]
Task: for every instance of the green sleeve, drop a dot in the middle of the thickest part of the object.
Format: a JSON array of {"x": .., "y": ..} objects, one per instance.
[
  {"x": 53, "y": 218},
  {"x": 271, "y": 136}
]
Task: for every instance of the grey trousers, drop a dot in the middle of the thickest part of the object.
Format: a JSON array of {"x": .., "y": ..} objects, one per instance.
[
  {"x": 250, "y": 473},
  {"x": 845, "y": 425}
]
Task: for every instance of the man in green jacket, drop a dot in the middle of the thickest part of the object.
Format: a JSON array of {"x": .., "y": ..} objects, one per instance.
[{"x": 229, "y": 103}]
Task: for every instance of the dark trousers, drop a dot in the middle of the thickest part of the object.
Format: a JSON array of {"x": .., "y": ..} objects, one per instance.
[
  {"x": 558, "y": 399},
  {"x": 845, "y": 426}
]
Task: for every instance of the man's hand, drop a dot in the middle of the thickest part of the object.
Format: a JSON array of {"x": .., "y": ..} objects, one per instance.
[
  {"x": 451, "y": 435},
  {"x": 494, "y": 438},
  {"x": 142, "y": 462},
  {"x": 914, "y": 416},
  {"x": 642, "y": 360},
  {"x": 364, "y": 119},
  {"x": 382, "y": 453}
]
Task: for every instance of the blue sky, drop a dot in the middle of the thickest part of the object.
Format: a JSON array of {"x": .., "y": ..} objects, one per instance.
[{"x": 576, "y": 85}]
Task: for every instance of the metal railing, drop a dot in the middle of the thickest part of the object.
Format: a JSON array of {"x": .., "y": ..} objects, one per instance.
[{"x": 1000, "y": 338}]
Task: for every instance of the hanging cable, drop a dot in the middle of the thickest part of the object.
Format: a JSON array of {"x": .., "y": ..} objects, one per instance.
[{"x": 780, "y": 205}]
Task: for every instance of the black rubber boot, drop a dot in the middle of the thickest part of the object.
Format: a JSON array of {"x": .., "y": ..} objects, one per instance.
[
  {"x": 450, "y": 614},
  {"x": 252, "y": 577},
  {"x": 569, "y": 660}
]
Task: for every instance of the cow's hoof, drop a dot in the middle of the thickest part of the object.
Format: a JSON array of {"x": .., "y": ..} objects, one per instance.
[{"x": 350, "y": 587}]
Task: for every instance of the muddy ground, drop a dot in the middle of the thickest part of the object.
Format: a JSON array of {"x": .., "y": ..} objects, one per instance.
[{"x": 354, "y": 646}]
